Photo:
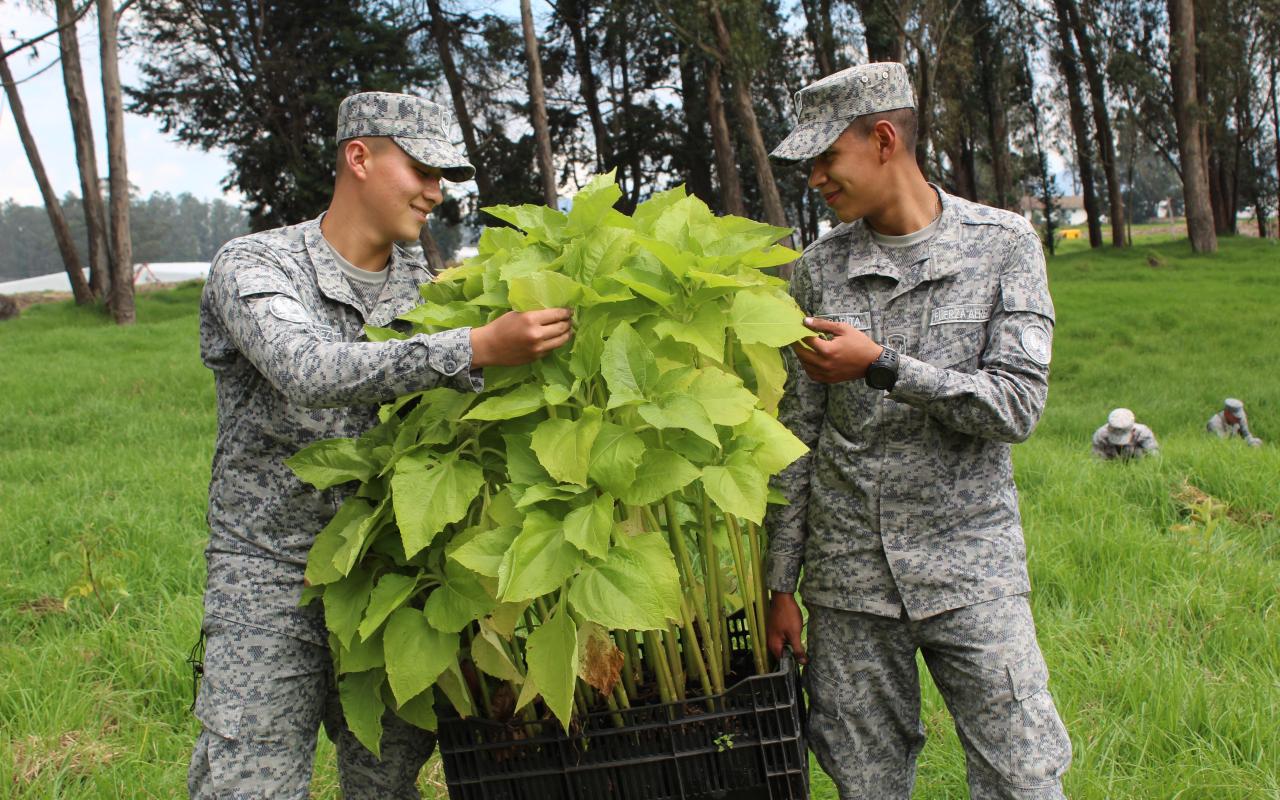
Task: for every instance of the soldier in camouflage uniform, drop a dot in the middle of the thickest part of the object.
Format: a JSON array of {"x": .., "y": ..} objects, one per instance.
[
  {"x": 1231, "y": 421},
  {"x": 1124, "y": 438},
  {"x": 281, "y": 326},
  {"x": 936, "y": 327}
]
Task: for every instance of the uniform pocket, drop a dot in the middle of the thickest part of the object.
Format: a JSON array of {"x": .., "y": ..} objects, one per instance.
[
  {"x": 826, "y": 696},
  {"x": 1039, "y": 747},
  {"x": 958, "y": 350}
]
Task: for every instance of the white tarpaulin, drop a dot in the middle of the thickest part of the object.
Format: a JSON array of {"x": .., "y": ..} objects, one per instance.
[{"x": 159, "y": 272}]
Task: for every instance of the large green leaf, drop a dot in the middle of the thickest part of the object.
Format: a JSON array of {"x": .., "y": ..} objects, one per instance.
[
  {"x": 627, "y": 366},
  {"x": 489, "y": 654},
  {"x": 458, "y": 601},
  {"x": 330, "y": 462},
  {"x": 362, "y": 706},
  {"x": 540, "y": 222},
  {"x": 482, "y": 552},
  {"x": 445, "y": 316},
  {"x": 454, "y": 686},
  {"x": 777, "y": 446},
  {"x": 770, "y": 318},
  {"x": 652, "y": 550},
  {"x": 592, "y": 202},
  {"x": 738, "y": 487},
  {"x": 770, "y": 371},
  {"x": 538, "y": 561},
  {"x": 345, "y": 602},
  {"x": 416, "y": 653},
  {"x": 552, "y": 656},
  {"x": 705, "y": 330},
  {"x": 619, "y": 593},
  {"x": 616, "y": 454},
  {"x": 430, "y": 495},
  {"x": 564, "y": 446},
  {"x": 660, "y": 473},
  {"x": 680, "y": 411},
  {"x": 545, "y": 289},
  {"x": 392, "y": 592},
  {"x": 362, "y": 655},
  {"x": 590, "y": 527},
  {"x": 336, "y": 536},
  {"x": 420, "y": 711},
  {"x": 520, "y": 401},
  {"x": 726, "y": 400},
  {"x": 588, "y": 345}
]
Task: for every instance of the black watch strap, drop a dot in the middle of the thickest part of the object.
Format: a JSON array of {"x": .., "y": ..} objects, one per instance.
[{"x": 883, "y": 372}]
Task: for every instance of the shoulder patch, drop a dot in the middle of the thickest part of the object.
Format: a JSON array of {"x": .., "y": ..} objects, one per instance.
[
  {"x": 287, "y": 309},
  {"x": 1037, "y": 344}
]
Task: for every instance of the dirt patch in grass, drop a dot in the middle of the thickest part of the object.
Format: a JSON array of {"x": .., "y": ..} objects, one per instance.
[
  {"x": 42, "y": 607},
  {"x": 78, "y": 752}
]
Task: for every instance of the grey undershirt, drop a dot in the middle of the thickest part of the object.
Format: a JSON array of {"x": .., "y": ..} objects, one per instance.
[{"x": 367, "y": 285}]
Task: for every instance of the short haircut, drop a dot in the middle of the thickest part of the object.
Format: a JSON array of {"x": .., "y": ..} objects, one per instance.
[
  {"x": 375, "y": 144},
  {"x": 902, "y": 119}
]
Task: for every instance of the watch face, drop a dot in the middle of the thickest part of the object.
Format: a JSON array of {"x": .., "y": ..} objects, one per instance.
[{"x": 879, "y": 377}]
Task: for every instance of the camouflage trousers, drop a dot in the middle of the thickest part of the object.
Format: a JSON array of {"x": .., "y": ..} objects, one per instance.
[
  {"x": 864, "y": 696},
  {"x": 261, "y": 704}
]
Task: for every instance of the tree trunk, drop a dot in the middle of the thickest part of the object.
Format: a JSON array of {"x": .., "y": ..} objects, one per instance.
[
  {"x": 571, "y": 11},
  {"x": 120, "y": 298},
  {"x": 693, "y": 102},
  {"x": 817, "y": 29},
  {"x": 885, "y": 41},
  {"x": 990, "y": 54},
  {"x": 431, "y": 250},
  {"x": 95, "y": 211},
  {"x": 61, "y": 232},
  {"x": 538, "y": 103},
  {"x": 1275, "y": 125},
  {"x": 1079, "y": 125},
  {"x": 1186, "y": 114},
  {"x": 440, "y": 32},
  {"x": 773, "y": 211},
  {"x": 1101, "y": 122},
  {"x": 726, "y": 158}
]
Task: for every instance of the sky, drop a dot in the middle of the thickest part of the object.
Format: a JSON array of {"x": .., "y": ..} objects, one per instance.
[{"x": 157, "y": 163}]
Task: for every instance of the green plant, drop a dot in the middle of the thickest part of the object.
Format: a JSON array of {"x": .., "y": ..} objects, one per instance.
[
  {"x": 106, "y": 588},
  {"x": 580, "y": 531}
]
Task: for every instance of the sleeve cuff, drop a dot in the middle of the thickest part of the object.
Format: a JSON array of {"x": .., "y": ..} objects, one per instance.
[
  {"x": 449, "y": 353},
  {"x": 918, "y": 382},
  {"x": 782, "y": 576}
]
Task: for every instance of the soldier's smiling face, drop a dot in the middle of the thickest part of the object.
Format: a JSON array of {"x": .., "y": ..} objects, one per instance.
[
  {"x": 401, "y": 191},
  {"x": 845, "y": 174}
]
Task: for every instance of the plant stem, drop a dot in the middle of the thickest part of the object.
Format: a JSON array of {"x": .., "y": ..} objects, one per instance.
[
  {"x": 746, "y": 587},
  {"x": 671, "y": 640},
  {"x": 715, "y": 600},
  {"x": 691, "y": 600},
  {"x": 661, "y": 670},
  {"x": 757, "y": 569},
  {"x": 694, "y": 652}
]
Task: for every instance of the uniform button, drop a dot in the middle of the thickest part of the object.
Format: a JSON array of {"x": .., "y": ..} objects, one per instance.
[{"x": 450, "y": 364}]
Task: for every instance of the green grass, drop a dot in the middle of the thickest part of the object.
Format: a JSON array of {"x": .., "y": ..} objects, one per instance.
[{"x": 1162, "y": 633}]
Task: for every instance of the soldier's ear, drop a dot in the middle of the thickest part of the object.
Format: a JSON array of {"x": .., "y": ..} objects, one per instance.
[{"x": 354, "y": 158}]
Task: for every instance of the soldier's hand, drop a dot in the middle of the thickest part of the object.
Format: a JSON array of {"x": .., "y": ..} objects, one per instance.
[
  {"x": 784, "y": 626},
  {"x": 519, "y": 337},
  {"x": 844, "y": 356}
]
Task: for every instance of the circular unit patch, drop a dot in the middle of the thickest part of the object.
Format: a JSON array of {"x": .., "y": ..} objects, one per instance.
[{"x": 1037, "y": 344}]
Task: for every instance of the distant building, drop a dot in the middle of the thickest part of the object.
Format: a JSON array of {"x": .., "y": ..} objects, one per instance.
[{"x": 1070, "y": 209}]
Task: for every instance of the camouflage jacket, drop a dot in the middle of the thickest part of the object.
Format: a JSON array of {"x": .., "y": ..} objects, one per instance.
[
  {"x": 1141, "y": 442},
  {"x": 1219, "y": 426},
  {"x": 906, "y": 499},
  {"x": 282, "y": 331}
]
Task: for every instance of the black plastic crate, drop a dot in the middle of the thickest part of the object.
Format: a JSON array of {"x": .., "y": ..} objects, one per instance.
[{"x": 745, "y": 744}]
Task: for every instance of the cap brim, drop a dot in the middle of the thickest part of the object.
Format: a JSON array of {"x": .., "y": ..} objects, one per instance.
[
  {"x": 1118, "y": 437},
  {"x": 808, "y": 141},
  {"x": 439, "y": 154}
]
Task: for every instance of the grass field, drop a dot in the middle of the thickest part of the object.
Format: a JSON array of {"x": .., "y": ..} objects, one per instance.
[{"x": 1161, "y": 627}]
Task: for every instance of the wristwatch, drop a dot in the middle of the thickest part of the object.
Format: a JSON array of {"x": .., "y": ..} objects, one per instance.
[{"x": 883, "y": 372}]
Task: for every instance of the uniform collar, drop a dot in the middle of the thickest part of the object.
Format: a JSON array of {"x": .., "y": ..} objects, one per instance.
[
  {"x": 867, "y": 257},
  {"x": 334, "y": 285}
]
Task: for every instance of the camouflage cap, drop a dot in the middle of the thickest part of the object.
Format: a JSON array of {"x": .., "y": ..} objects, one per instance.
[
  {"x": 1119, "y": 425},
  {"x": 825, "y": 108},
  {"x": 1233, "y": 405},
  {"x": 419, "y": 126}
]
